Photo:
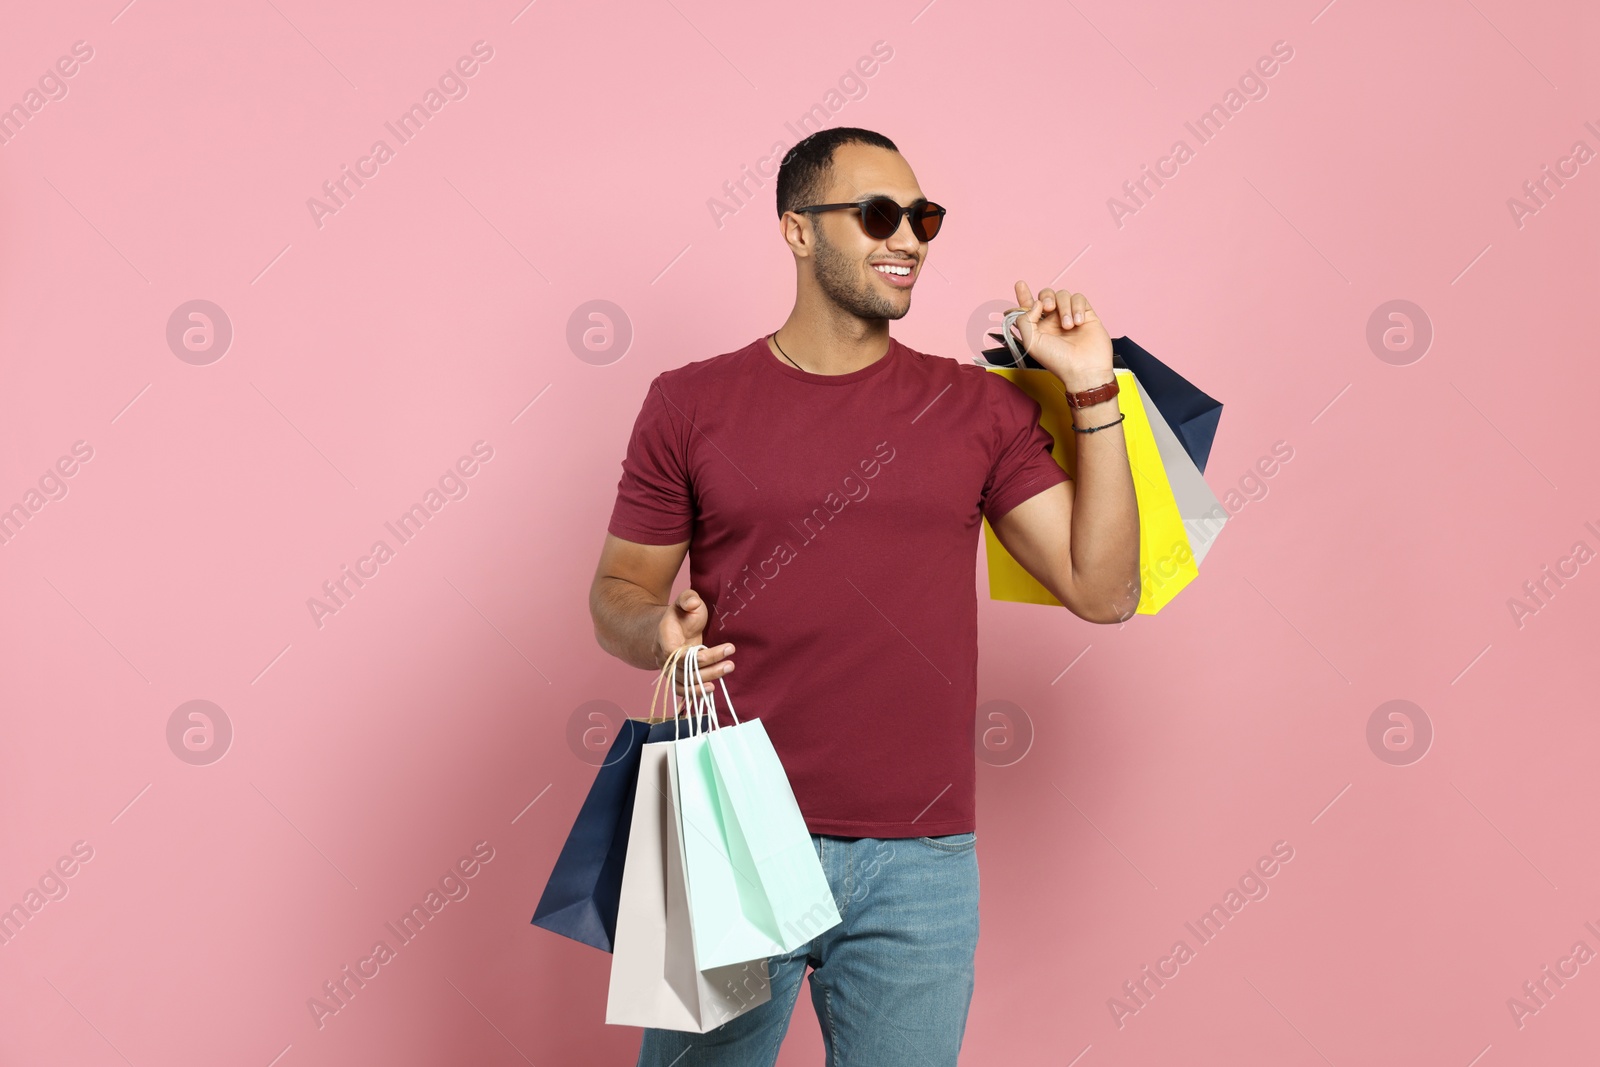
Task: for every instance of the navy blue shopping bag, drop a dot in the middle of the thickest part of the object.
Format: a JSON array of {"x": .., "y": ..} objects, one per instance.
[
  {"x": 580, "y": 899},
  {"x": 1192, "y": 414}
]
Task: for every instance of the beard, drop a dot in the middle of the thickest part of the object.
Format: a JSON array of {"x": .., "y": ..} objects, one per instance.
[{"x": 837, "y": 276}]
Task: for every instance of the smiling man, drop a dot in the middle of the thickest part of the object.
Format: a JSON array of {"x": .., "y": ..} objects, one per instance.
[{"x": 828, "y": 485}]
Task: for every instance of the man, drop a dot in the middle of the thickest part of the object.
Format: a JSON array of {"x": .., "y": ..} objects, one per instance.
[{"x": 828, "y": 485}]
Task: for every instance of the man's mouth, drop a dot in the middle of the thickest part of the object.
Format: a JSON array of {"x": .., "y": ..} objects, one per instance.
[{"x": 899, "y": 275}]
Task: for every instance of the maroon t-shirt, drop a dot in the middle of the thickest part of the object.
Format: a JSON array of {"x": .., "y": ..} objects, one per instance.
[{"x": 833, "y": 525}]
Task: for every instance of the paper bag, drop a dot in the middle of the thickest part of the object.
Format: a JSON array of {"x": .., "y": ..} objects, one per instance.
[{"x": 1166, "y": 563}]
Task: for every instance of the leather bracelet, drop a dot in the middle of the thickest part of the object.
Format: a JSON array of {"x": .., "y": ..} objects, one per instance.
[
  {"x": 1107, "y": 426},
  {"x": 1099, "y": 394}
]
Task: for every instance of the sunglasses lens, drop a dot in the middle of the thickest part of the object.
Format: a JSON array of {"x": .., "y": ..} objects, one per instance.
[
  {"x": 926, "y": 224},
  {"x": 880, "y": 217}
]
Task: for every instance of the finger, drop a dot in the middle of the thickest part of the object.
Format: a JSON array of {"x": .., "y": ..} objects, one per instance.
[
  {"x": 713, "y": 654},
  {"x": 1054, "y": 301},
  {"x": 709, "y": 674},
  {"x": 689, "y": 601},
  {"x": 714, "y": 662},
  {"x": 1036, "y": 309},
  {"x": 1051, "y": 302},
  {"x": 1028, "y": 325},
  {"x": 1081, "y": 310},
  {"x": 685, "y": 690}
]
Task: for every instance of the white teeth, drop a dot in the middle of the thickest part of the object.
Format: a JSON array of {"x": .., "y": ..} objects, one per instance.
[{"x": 885, "y": 269}]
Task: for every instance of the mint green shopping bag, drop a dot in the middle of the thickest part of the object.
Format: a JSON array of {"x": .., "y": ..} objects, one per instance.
[
  {"x": 767, "y": 834},
  {"x": 756, "y": 887}
]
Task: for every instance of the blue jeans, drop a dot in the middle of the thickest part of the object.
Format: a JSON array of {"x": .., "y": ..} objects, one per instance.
[{"x": 891, "y": 983}]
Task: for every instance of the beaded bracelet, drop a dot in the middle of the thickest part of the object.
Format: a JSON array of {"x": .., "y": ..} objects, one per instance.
[{"x": 1108, "y": 425}]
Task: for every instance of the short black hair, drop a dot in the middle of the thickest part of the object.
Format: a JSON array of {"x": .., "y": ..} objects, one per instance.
[{"x": 803, "y": 174}]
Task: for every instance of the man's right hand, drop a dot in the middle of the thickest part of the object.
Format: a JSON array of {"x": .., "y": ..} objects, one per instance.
[{"x": 684, "y": 623}]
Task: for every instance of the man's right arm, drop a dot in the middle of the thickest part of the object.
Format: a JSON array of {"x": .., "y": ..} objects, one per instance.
[
  {"x": 635, "y": 617},
  {"x": 632, "y": 586}
]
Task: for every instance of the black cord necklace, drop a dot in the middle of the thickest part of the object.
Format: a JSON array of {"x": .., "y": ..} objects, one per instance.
[{"x": 798, "y": 367}]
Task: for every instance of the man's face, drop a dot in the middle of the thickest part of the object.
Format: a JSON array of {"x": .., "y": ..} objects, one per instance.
[{"x": 845, "y": 256}]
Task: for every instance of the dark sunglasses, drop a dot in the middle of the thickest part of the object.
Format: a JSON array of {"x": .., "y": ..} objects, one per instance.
[{"x": 881, "y": 216}]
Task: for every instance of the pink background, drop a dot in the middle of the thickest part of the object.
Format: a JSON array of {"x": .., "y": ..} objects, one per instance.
[{"x": 437, "y": 708}]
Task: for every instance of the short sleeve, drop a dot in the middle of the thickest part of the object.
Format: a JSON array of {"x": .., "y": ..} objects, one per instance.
[
  {"x": 655, "y": 499},
  {"x": 1023, "y": 466}
]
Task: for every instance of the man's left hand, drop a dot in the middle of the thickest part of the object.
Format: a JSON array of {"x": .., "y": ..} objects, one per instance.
[{"x": 1064, "y": 334}]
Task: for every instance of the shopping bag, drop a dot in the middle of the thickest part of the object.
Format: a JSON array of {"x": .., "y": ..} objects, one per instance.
[
  {"x": 655, "y": 981},
  {"x": 1202, "y": 513},
  {"x": 767, "y": 835},
  {"x": 1166, "y": 562},
  {"x": 1192, "y": 415},
  {"x": 580, "y": 897},
  {"x": 756, "y": 887}
]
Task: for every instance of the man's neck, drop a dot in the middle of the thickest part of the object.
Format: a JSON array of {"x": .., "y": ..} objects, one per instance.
[{"x": 823, "y": 348}]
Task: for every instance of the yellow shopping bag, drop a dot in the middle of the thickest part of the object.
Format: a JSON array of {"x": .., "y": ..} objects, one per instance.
[{"x": 1166, "y": 563}]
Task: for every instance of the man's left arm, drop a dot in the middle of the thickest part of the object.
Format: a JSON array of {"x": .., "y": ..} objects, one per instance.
[{"x": 1079, "y": 539}]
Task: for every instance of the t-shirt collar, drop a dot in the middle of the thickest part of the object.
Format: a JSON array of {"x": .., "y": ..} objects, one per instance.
[{"x": 778, "y": 363}]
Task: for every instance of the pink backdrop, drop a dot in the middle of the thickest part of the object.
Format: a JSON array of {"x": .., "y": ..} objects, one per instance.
[{"x": 187, "y": 485}]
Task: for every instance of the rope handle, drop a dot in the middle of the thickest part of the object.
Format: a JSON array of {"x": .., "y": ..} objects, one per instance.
[
  {"x": 707, "y": 702},
  {"x": 661, "y": 675},
  {"x": 1017, "y": 354},
  {"x": 702, "y": 703},
  {"x": 695, "y": 705}
]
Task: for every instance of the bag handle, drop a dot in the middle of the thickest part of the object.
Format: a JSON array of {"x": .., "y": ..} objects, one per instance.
[
  {"x": 661, "y": 675},
  {"x": 696, "y": 704},
  {"x": 679, "y": 657},
  {"x": 1017, "y": 355},
  {"x": 707, "y": 701},
  {"x": 670, "y": 668},
  {"x": 702, "y": 703}
]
